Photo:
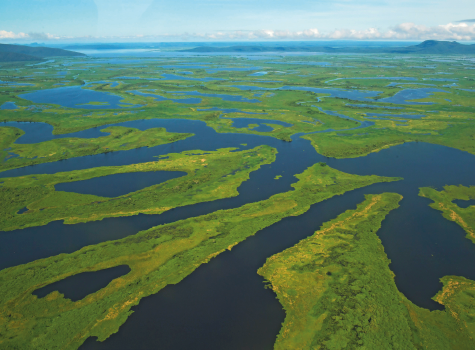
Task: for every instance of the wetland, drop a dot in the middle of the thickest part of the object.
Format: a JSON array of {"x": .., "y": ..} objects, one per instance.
[{"x": 155, "y": 213}]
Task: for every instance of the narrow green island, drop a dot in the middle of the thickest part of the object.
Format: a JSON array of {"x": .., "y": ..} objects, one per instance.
[
  {"x": 119, "y": 139},
  {"x": 157, "y": 257},
  {"x": 210, "y": 176},
  {"x": 443, "y": 201},
  {"x": 339, "y": 293}
]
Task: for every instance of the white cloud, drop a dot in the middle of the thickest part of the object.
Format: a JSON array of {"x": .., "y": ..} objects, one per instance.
[
  {"x": 10, "y": 35},
  {"x": 405, "y": 31},
  {"x": 460, "y": 31},
  {"x": 28, "y": 36}
]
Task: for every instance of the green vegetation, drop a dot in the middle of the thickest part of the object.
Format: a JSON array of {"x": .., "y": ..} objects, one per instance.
[
  {"x": 448, "y": 123},
  {"x": 339, "y": 293},
  {"x": 94, "y": 103},
  {"x": 157, "y": 257},
  {"x": 336, "y": 286},
  {"x": 211, "y": 176},
  {"x": 465, "y": 217},
  {"x": 120, "y": 139},
  {"x": 357, "y": 143}
]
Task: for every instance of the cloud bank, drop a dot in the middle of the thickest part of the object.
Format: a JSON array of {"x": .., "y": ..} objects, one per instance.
[
  {"x": 460, "y": 31},
  {"x": 10, "y": 35},
  {"x": 404, "y": 31}
]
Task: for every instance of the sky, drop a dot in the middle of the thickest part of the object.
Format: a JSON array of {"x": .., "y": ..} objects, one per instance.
[{"x": 241, "y": 20}]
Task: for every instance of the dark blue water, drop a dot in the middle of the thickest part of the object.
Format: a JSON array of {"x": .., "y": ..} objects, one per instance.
[
  {"x": 186, "y": 66},
  {"x": 241, "y": 314},
  {"x": 350, "y": 94},
  {"x": 401, "y": 84},
  {"x": 118, "y": 184},
  {"x": 405, "y": 96},
  {"x": 401, "y": 97},
  {"x": 166, "y": 76},
  {"x": 10, "y": 83},
  {"x": 244, "y": 122},
  {"x": 380, "y": 118},
  {"x": 21, "y": 211},
  {"x": 178, "y": 77},
  {"x": 40, "y": 132},
  {"x": 361, "y": 124},
  {"x": 379, "y": 78},
  {"x": 161, "y": 98},
  {"x": 464, "y": 203},
  {"x": 224, "y": 97},
  {"x": 136, "y": 78},
  {"x": 9, "y": 105},
  {"x": 372, "y": 106},
  {"x": 79, "y": 286},
  {"x": 222, "y": 305},
  {"x": 305, "y": 63},
  {"x": 262, "y": 127},
  {"x": 115, "y": 61},
  {"x": 223, "y": 302},
  {"x": 75, "y": 97}
]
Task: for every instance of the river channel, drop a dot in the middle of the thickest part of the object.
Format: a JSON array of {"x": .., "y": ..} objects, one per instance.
[{"x": 223, "y": 304}]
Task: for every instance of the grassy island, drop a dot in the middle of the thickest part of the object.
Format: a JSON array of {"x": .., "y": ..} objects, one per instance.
[
  {"x": 119, "y": 139},
  {"x": 211, "y": 176},
  {"x": 339, "y": 293},
  {"x": 443, "y": 201},
  {"x": 157, "y": 257}
]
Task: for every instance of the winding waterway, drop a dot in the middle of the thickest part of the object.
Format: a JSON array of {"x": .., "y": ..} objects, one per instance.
[{"x": 223, "y": 303}]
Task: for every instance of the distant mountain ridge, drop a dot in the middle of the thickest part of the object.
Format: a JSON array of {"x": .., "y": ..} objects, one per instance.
[
  {"x": 13, "y": 53},
  {"x": 426, "y": 47}
]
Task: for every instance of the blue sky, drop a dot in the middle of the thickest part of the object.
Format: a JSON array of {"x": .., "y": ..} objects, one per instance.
[{"x": 126, "y": 20}]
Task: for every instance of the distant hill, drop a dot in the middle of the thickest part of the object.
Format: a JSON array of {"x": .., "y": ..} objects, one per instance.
[
  {"x": 427, "y": 47},
  {"x": 28, "y": 53},
  {"x": 16, "y": 57},
  {"x": 439, "y": 47}
]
